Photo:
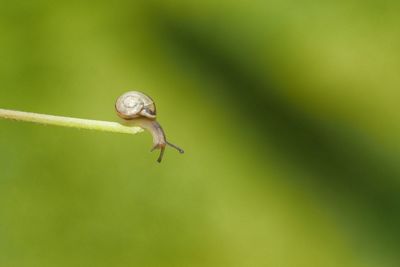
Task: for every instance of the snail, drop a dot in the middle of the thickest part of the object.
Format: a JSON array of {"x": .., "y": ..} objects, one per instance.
[{"x": 138, "y": 109}]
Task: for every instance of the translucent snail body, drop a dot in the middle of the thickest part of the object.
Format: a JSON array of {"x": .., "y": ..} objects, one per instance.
[{"x": 138, "y": 109}]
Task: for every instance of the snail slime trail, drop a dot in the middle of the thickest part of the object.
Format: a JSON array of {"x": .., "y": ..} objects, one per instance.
[{"x": 138, "y": 109}]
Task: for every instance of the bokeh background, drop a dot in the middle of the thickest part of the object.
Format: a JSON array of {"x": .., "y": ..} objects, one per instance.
[{"x": 288, "y": 112}]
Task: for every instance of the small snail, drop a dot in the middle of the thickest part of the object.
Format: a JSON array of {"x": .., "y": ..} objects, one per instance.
[{"x": 139, "y": 109}]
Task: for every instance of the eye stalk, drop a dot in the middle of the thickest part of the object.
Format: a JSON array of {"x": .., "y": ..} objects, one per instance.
[{"x": 139, "y": 109}]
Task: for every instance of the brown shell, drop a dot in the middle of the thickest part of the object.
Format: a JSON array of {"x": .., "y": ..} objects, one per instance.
[{"x": 135, "y": 104}]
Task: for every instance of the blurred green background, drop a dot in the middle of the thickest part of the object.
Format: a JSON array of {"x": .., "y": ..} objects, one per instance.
[{"x": 288, "y": 112}]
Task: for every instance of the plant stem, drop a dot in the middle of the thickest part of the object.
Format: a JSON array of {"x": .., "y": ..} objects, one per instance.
[{"x": 105, "y": 126}]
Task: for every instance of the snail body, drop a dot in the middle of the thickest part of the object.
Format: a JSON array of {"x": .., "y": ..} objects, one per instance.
[{"x": 138, "y": 109}]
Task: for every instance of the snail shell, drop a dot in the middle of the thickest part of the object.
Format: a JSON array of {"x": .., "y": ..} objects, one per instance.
[{"x": 135, "y": 104}]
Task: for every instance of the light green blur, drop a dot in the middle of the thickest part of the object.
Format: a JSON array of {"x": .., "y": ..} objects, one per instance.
[{"x": 288, "y": 112}]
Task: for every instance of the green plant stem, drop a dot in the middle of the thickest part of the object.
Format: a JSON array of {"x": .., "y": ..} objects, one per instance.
[{"x": 105, "y": 126}]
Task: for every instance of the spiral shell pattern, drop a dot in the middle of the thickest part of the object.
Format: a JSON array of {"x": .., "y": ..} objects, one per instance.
[{"x": 135, "y": 104}]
